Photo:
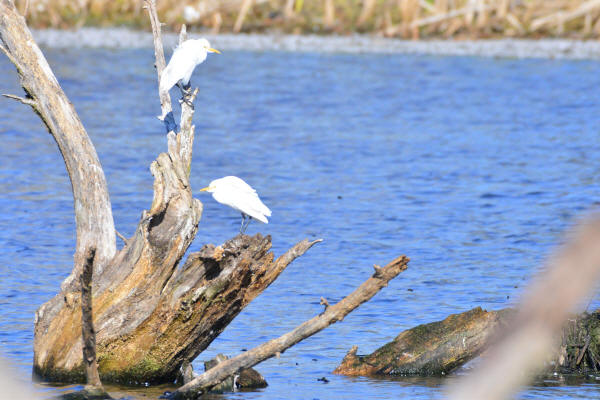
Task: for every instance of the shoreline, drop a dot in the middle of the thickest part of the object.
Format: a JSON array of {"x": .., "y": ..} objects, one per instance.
[{"x": 120, "y": 38}]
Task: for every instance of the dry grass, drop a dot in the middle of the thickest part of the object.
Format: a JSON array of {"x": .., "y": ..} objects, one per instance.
[{"x": 402, "y": 18}]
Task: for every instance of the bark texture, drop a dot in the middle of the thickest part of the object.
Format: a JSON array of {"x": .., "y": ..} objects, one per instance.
[
  {"x": 157, "y": 316},
  {"x": 331, "y": 315},
  {"x": 430, "y": 349},
  {"x": 87, "y": 325}
]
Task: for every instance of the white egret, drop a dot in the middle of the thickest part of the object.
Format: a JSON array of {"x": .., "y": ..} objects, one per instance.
[
  {"x": 237, "y": 194},
  {"x": 184, "y": 60}
]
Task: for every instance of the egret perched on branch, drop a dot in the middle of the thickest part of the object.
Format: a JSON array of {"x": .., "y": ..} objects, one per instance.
[
  {"x": 185, "y": 58},
  {"x": 237, "y": 194}
]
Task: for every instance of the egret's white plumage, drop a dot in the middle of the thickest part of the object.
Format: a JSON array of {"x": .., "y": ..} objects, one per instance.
[
  {"x": 184, "y": 60},
  {"x": 237, "y": 194}
]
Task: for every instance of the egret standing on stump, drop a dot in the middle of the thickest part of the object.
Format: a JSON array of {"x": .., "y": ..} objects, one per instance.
[
  {"x": 237, "y": 194},
  {"x": 185, "y": 58}
]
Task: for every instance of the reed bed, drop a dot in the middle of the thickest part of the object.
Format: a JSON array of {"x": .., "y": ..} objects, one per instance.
[{"x": 414, "y": 19}]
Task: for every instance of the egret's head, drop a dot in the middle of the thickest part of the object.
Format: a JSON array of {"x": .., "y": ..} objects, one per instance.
[{"x": 205, "y": 45}]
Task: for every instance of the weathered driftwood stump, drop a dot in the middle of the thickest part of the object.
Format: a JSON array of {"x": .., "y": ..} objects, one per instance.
[
  {"x": 148, "y": 324},
  {"x": 150, "y": 314},
  {"x": 429, "y": 349}
]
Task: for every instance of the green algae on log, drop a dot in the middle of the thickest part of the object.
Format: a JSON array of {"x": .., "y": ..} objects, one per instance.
[
  {"x": 429, "y": 349},
  {"x": 439, "y": 347}
]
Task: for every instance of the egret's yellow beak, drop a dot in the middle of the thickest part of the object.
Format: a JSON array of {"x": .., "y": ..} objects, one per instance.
[
  {"x": 211, "y": 50},
  {"x": 205, "y": 189}
]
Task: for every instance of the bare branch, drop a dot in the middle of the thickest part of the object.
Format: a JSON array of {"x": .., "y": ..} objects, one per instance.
[
  {"x": 26, "y": 101},
  {"x": 267, "y": 350},
  {"x": 285, "y": 259},
  {"x": 159, "y": 53},
  {"x": 245, "y": 7},
  {"x": 123, "y": 238},
  {"x": 10, "y": 57},
  {"x": 185, "y": 138}
]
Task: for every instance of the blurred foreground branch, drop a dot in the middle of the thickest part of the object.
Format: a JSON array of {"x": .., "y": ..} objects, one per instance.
[{"x": 570, "y": 278}]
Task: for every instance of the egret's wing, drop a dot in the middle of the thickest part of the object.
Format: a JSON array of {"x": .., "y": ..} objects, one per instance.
[
  {"x": 255, "y": 207},
  {"x": 168, "y": 78},
  {"x": 237, "y": 184},
  {"x": 261, "y": 207},
  {"x": 178, "y": 67},
  {"x": 244, "y": 201},
  {"x": 251, "y": 196}
]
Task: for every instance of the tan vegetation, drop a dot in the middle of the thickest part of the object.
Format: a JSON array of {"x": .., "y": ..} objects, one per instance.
[{"x": 398, "y": 18}]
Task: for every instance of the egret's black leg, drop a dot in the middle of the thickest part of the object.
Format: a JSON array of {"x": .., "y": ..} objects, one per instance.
[
  {"x": 242, "y": 229},
  {"x": 247, "y": 222},
  {"x": 186, "y": 91}
]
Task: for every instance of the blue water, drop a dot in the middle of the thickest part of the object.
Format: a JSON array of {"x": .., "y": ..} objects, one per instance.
[{"x": 470, "y": 166}]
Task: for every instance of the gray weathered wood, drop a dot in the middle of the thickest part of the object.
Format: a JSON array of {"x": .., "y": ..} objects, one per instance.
[
  {"x": 93, "y": 213},
  {"x": 87, "y": 325},
  {"x": 159, "y": 55}
]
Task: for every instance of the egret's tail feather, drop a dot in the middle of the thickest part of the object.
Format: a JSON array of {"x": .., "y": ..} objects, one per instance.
[
  {"x": 261, "y": 218},
  {"x": 265, "y": 210},
  {"x": 167, "y": 80}
]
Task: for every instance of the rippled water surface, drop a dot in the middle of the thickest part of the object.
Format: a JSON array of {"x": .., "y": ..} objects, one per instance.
[{"x": 472, "y": 167}]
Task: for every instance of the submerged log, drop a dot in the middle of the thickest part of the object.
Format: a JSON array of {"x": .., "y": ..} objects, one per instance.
[
  {"x": 429, "y": 349},
  {"x": 440, "y": 347},
  {"x": 247, "y": 378}
]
